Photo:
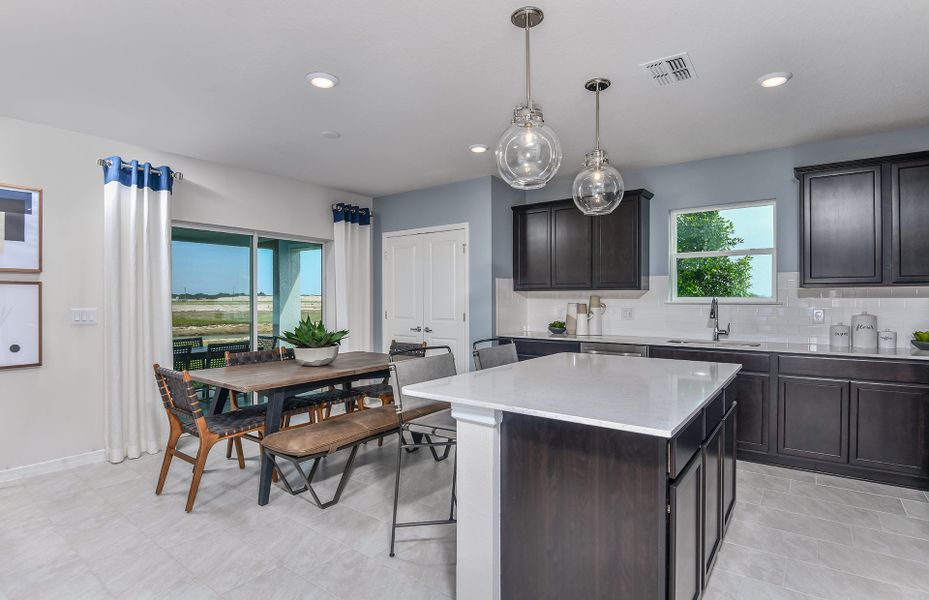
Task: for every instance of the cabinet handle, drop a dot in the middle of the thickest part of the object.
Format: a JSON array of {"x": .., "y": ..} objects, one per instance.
[
  {"x": 428, "y": 330},
  {"x": 416, "y": 329}
]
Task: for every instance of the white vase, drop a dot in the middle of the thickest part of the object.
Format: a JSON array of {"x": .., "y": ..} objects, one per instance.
[{"x": 316, "y": 357}]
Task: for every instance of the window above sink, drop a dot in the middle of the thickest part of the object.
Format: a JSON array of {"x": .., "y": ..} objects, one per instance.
[{"x": 727, "y": 252}]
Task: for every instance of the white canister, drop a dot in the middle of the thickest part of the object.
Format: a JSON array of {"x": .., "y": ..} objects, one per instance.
[
  {"x": 864, "y": 331},
  {"x": 887, "y": 339},
  {"x": 840, "y": 336},
  {"x": 582, "y": 316},
  {"x": 570, "y": 320}
]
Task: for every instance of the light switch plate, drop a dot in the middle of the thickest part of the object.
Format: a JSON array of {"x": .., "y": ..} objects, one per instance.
[
  {"x": 819, "y": 315},
  {"x": 628, "y": 314},
  {"x": 83, "y": 316}
]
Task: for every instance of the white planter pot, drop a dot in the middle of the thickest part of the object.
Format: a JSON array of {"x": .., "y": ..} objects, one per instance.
[{"x": 316, "y": 357}]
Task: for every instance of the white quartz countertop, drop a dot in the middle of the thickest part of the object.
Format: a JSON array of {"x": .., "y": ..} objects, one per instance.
[
  {"x": 908, "y": 352},
  {"x": 642, "y": 395}
]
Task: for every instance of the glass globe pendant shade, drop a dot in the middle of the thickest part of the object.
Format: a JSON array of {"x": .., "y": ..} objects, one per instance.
[
  {"x": 599, "y": 188},
  {"x": 529, "y": 153}
]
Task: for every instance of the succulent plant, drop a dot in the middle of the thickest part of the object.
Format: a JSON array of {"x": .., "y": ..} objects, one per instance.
[
  {"x": 313, "y": 334},
  {"x": 557, "y": 324},
  {"x": 921, "y": 336}
]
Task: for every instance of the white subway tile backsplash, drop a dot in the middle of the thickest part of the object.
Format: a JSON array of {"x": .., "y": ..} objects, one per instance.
[{"x": 903, "y": 310}]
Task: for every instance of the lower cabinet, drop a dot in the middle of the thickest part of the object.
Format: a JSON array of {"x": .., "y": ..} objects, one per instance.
[
  {"x": 730, "y": 443},
  {"x": 813, "y": 418},
  {"x": 889, "y": 426},
  {"x": 751, "y": 391},
  {"x": 685, "y": 569},
  {"x": 712, "y": 456}
]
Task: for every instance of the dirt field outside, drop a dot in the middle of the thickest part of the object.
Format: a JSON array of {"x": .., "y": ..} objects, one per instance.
[{"x": 228, "y": 318}]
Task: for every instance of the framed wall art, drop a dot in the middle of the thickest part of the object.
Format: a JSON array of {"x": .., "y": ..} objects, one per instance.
[
  {"x": 20, "y": 229},
  {"x": 20, "y": 324}
]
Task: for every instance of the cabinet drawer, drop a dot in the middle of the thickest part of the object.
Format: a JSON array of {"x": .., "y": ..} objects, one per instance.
[
  {"x": 750, "y": 361},
  {"x": 534, "y": 348},
  {"x": 714, "y": 413},
  {"x": 685, "y": 445},
  {"x": 854, "y": 368}
]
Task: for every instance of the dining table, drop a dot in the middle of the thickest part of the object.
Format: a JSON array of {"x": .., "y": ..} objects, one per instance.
[{"x": 280, "y": 379}]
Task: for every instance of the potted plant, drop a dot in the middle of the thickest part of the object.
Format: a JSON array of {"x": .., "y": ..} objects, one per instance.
[
  {"x": 557, "y": 327},
  {"x": 314, "y": 345}
]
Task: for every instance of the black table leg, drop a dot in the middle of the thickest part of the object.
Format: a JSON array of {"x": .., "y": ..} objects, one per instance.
[
  {"x": 219, "y": 402},
  {"x": 272, "y": 424}
]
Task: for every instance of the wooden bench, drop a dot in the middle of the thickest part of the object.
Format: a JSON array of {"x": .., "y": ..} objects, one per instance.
[{"x": 318, "y": 440}]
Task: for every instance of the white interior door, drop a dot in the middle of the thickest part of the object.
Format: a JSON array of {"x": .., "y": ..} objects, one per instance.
[
  {"x": 425, "y": 290},
  {"x": 403, "y": 290},
  {"x": 445, "y": 303}
]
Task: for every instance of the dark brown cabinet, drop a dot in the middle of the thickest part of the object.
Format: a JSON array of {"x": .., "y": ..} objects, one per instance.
[
  {"x": 752, "y": 391},
  {"x": 910, "y": 219},
  {"x": 712, "y": 497},
  {"x": 571, "y": 248},
  {"x": 532, "y": 248},
  {"x": 620, "y": 246},
  {"x": 685, "y": 568},
  {"x": 730, "y": 426},
  {"x": 556, "y": 247},
  {"x": 863, "y": 222},
  {"x": 813, "y": 418},
  {"x": 889, "y": 425}
]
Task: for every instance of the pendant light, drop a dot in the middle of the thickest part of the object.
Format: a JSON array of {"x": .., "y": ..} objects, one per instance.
[
  {"x": 528, "y": 153},
  {"x": 598, "y": 189}
]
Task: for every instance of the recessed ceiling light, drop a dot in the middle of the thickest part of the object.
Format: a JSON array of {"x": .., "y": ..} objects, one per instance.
[
  {"x": 774, "y": 79},
  {"x": 478, "y": 148},
  {"x": 330, "y": 134},
  {"x": 322, "y": 80}
]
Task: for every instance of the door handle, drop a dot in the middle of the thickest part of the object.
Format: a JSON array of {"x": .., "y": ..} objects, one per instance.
[
  {"x": 428, "y": 330},
  {"x": 416, "y": 329}
]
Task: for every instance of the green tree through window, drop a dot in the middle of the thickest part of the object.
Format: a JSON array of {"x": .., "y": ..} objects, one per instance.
[{"x": 704, "y": 277}]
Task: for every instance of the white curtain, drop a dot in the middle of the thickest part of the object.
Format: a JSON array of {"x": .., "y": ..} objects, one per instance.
[
  {"x": 137, "y": 304},
  {"x": 350, "y": 276}
]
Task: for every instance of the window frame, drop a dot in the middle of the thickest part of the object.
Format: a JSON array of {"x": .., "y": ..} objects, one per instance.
[
  {"x": 674, "y": 255},
  {"x": 255, "y": 234}
]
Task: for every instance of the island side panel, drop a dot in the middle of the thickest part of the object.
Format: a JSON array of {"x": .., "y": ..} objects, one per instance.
[{"x": 583, "y": 511}]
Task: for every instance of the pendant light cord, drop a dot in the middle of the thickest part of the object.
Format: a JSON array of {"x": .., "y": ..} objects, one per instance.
[
  {"x": 597, "y": 120},
  {"x": 528, "y": 67}
]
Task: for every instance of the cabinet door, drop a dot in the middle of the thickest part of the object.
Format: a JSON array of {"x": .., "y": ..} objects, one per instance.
[
  {"x": 729, "y": 450},
  {"x": 813, "y": 418},
  {"x": 910, "y": 200},
  {"x": 685, "y": 567},
  {"x": 712, "y": 498},
  {"x": 841, "y": 226},
  {"x": 619, "y": 241},
  {"x": 532, "y": 250},
  {"x": 751, "y": 392},
  {"x": 889, "y": 426},
  {"x": 570, "y": 248}
]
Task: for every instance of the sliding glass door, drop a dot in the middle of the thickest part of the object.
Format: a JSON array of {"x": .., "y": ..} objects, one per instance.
[{"x": 239, "y": 290}]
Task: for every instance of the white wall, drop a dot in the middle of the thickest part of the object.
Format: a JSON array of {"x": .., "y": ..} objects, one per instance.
[
  {"x": 56, "y": 410},
  {"x": 901, "y": 309}
]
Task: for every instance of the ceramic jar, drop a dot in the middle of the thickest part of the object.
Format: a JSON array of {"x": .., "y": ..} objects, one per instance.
[
  {"x": 887, "y": 339},
  {"x": 864, "y": 331},
  {"x": 840, "y": 336}
]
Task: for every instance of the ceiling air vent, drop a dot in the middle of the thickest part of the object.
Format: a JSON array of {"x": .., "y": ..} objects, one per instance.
[{"x": 670, "y": 70}]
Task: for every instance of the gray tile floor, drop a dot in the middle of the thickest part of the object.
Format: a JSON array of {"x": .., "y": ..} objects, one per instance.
[{"x": 100, "y": 532}]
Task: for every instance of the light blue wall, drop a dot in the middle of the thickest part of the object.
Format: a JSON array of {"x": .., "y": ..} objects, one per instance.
[
  {"x": 739, "y": 178},
  {"x": 462, "y": 202}
]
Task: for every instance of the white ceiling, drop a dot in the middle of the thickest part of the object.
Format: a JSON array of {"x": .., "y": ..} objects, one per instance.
[{"x": 223, "y": 80}]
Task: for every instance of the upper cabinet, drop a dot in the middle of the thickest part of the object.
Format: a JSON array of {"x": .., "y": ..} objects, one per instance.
[
  {"x": 556, "y": 247},
  {"x": 863, "y": 223}
]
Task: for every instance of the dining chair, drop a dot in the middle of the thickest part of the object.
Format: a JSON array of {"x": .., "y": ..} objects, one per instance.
[
  {"x": 216, "y": 353},
  {"x": 181, "y": 358},
  {"x": 383, "y": 391},
  {"x": 501, "y": 351},
  {"x": 185, "y": 415},
  {"x": 430, "y": 424},
  {"x": 192, "y": 342}
]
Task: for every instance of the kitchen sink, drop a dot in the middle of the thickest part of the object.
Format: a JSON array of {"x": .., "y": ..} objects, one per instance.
[{"x": 723, "y": 343}]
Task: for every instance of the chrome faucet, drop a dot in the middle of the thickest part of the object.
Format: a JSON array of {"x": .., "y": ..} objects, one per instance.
[{"x": 714, "y": 315}]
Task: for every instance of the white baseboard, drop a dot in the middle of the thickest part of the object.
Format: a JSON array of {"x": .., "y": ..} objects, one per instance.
[{"x": 51, "y": 466}]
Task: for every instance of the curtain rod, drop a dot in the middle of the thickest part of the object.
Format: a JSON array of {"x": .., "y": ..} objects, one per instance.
[{"x": 177, "y": 175}]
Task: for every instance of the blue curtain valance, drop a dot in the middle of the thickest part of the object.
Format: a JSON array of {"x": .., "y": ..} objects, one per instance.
[
  {"x": 349, "y": 213},
  {"x": 133, "y": 174}
]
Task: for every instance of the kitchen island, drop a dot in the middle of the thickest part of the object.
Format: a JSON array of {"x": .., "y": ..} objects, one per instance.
[{"x": 590, "y": 476}]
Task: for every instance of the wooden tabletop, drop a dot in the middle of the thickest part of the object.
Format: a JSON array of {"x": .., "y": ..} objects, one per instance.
[{"x": 285, "y": 373}]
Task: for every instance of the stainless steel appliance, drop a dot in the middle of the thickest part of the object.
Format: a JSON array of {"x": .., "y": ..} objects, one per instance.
[{"x": 614, "y": 349}]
